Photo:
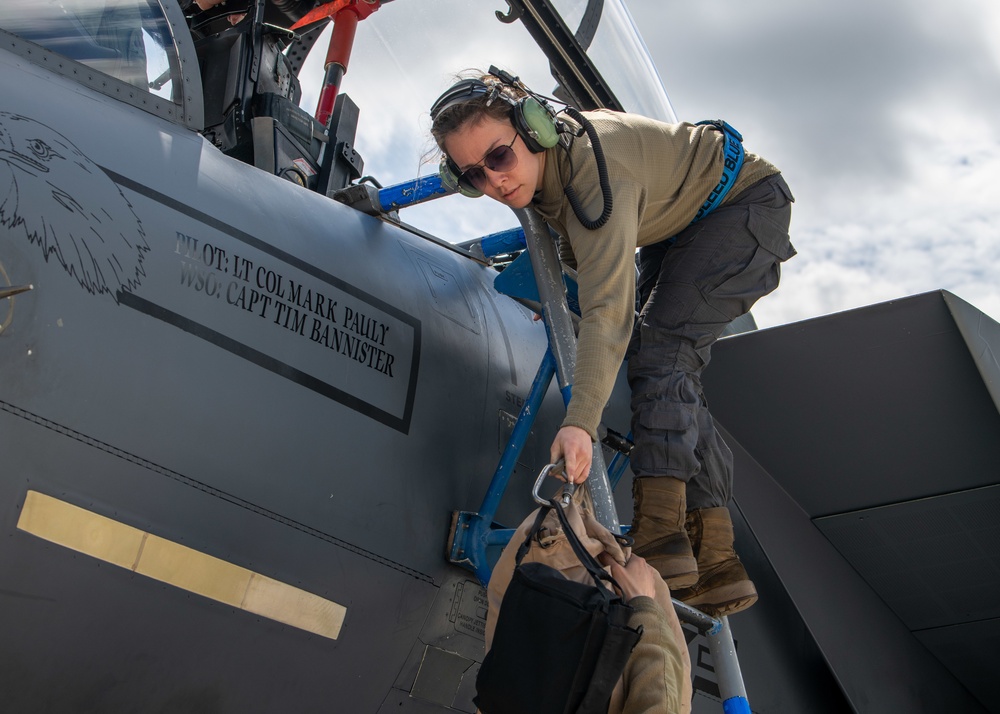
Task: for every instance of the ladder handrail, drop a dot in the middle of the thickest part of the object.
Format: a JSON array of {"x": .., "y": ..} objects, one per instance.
[{"x": 562, "y": 343}]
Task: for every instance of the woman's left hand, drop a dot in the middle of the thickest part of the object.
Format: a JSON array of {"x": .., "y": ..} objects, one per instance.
[{"x": 637, "y": 578}]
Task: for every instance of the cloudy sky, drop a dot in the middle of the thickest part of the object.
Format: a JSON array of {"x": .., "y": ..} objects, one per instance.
[{"x": 882, "y": 114}]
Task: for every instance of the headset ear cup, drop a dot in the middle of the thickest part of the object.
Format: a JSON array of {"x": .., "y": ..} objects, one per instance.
[
  {"x": 449, "y": 179},
  {"x": 536, "y": 125}
]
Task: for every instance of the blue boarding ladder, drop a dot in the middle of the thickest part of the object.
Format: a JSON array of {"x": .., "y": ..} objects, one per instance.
[{"x": 474, "y": 532}]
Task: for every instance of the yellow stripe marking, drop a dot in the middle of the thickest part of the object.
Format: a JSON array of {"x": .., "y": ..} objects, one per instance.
[{"x": 175, "y": 564}]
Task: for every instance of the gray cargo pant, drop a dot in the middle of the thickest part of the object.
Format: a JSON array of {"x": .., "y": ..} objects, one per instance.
[{"x": 689, "y": 291}]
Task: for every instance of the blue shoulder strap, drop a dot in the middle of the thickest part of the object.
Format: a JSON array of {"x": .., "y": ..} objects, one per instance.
[{"x": 731, "y": 168}]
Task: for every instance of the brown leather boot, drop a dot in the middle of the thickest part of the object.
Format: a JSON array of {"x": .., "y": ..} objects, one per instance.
[
  {"x": 723, "y": 586},
  {"x": 658, "y": 529}
]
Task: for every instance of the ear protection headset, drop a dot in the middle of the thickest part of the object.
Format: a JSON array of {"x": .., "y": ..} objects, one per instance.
[
  {"x": 536, "y": 124},
  {"x": 533, "y": 120}
]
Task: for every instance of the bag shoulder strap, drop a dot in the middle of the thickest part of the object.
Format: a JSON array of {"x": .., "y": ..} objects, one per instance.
[
  {"x": 593, "y": 567},
  {"x": 589, "y": 562},
  {"x": 532, "y": 532}
]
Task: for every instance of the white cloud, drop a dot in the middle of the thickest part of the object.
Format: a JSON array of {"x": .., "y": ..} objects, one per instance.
[
  {"x": 881, "y": 117},
  {"x": 938, "y": 229}
]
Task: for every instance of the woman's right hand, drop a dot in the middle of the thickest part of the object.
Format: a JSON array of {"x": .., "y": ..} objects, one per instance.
[{"x": 573, "y": 445}]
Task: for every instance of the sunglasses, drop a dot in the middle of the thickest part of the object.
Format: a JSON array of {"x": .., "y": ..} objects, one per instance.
[{"x": 501, "y": 159}]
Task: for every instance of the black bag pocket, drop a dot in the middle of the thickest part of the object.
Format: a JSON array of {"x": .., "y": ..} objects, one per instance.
[{"x": 560, "y": 646}]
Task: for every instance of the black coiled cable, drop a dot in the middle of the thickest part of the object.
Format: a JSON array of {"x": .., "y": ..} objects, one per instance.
[{"x": 602, "y": 174}]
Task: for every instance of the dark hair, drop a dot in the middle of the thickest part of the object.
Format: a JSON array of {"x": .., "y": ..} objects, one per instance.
[{"x": 477, "y": 108}]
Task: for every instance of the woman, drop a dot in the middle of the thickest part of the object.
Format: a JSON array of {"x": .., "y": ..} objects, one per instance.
[{"x": 711, "y": 225}]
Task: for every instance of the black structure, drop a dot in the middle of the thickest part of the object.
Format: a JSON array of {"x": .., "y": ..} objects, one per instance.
[{"x": 870, "y": 484}]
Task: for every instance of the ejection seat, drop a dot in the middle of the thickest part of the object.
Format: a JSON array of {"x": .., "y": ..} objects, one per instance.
[{"x": 252, "y": 93}]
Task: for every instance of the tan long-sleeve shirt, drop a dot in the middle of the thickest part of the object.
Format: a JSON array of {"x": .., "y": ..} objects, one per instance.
[{"x": 660, "y": 175}]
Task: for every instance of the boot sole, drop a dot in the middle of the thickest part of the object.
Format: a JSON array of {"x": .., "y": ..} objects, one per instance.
[
  {"x": 722, "y": 601},
  {"x": 679, "y": 581},
  {"x": 677, "y": 572},
  {"x": 675, "y": 580}
]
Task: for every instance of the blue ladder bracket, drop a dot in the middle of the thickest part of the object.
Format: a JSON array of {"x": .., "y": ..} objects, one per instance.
[
  {"x": 410, "y": 193},
  {"x": 473, "y": 535},
  {"x": 518, "y": 281},
  {"x": 474, "y": 532},
  {"x": 380, "y": 201},
  {"x": 736, "y": 705},
  {"x": 616, "y": 469},
  {"x": 503, "y": 242}
]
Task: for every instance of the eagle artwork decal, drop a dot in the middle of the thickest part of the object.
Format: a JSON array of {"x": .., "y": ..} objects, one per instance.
[{"x": 68, "y": 207}]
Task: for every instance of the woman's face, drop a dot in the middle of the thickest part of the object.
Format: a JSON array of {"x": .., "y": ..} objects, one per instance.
[{"x": 470, "y": 144}]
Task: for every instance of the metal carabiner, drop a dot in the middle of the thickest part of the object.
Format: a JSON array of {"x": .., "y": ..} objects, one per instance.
[{"x": 568, "y": 490}]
